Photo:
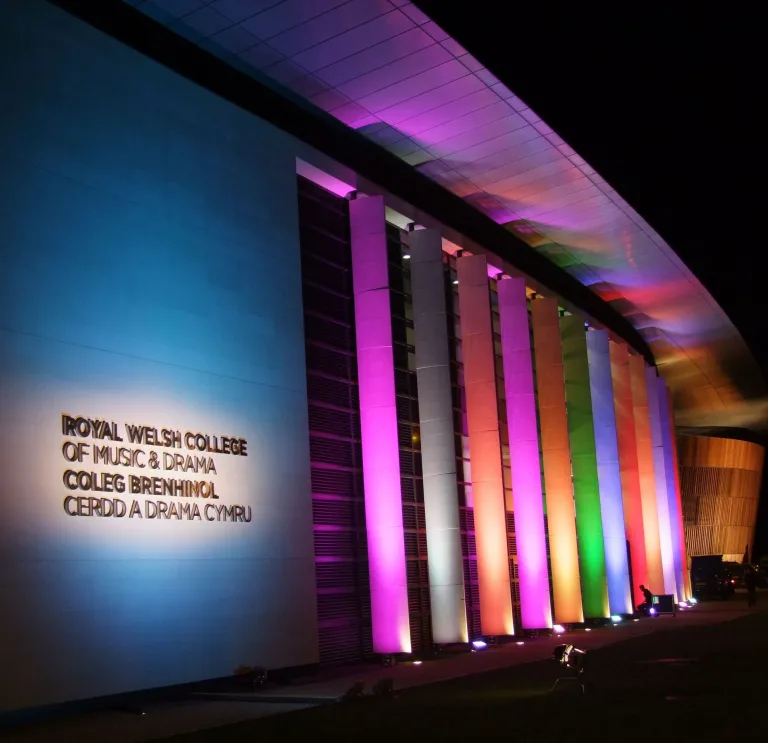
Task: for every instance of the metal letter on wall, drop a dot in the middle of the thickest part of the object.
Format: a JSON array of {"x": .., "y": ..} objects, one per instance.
[
  {"x": 378, "y": 424},
  {"x": 485, "y": 447},
  {"x": 438, "y": 452},
  {"x": 659, "y": 468},
  {"x": 556, "y": 459},
  {"x": 675, "y": 513},
  {"x": 647, "y": 474},
  {"x": 589, "y": 523},
  {"x": 609, "y": 472},
  {"x": 533, "y": 569},
  {"x": 630, "y": 475}
]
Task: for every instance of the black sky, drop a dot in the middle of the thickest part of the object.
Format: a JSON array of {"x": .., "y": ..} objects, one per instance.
[{"x": 664, "y": 101}]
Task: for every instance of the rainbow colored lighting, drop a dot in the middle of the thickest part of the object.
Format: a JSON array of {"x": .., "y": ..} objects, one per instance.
[
  {"x": 630, "y": 476},
  {"x": 485, "y": 447},
  {"x": 378, "y": 424},
  {"x": 530, "y": 534},
  {"x": 609, "y": 472},
  {"x": 556, "y": 459},
  {"x": 646, "y": 474},
  {"x": 675, "y": 513},
  {"x": 659, "y": 468},
  {"x": 589, "y": 524}
]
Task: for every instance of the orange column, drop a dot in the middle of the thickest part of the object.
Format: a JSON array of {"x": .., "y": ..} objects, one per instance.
[
  {"x": 484, "y": 447},
  {"x": 647, "y": 474},
  {"x": 556, "y": 455},
  {"x": 628, "y": 463}
]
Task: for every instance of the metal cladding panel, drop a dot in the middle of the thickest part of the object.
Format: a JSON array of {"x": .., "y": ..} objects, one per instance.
[
  {"x": 609, "y": 472},
  {"x": 720, "y": 487},
  {"x": 438, "y": 456},
  {"x": 385, "y": 69},
  {"x": 524, "y": 456},
  {"x": 556, "y": 462},
  {"x": 485, "y": 447},
  {"x": 586, "y": 487}
]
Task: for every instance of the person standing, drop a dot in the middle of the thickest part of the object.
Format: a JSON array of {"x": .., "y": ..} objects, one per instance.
[{"x": 750, "y": 581}]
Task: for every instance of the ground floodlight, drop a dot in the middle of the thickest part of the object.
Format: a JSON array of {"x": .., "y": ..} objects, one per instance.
[
  {"x": 559, "y": 629},
  {"x": 574, "y": 660},
  {"x": 479, "y": 644},
  {"x": 615, "y": 618}
]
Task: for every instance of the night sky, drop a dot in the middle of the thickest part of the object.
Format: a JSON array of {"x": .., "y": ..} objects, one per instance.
[{"x": 663, "y": 101}]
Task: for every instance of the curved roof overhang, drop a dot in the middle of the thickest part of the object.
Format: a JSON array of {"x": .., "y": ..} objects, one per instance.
[{"x": 386, "y": 70}]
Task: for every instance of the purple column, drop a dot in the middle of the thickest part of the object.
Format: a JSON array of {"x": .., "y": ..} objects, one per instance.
[
  {"x": 678, "y": 546},
  {"x": 524, "y": 456},
  {"x": 378, "y": 424}
]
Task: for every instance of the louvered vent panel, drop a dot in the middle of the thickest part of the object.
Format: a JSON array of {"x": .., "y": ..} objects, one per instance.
[{"x": 344, "y": 621}]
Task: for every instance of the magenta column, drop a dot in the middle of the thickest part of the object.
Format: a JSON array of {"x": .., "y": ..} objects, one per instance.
[
  {"x": 378, "y": 424},
  {"x": 525, "y": 462}
]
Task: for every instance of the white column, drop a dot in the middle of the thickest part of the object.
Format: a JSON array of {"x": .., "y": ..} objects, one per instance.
[{"x": 438, "y": 453}]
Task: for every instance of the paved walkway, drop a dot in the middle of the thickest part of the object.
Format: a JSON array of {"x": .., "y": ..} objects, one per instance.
[{"x": 200, "y": 712}]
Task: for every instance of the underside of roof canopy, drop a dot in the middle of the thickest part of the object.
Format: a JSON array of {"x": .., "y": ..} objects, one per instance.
[{"x": 386, "y": 70}]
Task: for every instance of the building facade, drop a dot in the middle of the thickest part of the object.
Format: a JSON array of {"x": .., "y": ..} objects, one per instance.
[{"x": 260, "y": 409}]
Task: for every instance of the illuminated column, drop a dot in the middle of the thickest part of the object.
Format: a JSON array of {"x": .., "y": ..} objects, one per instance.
[
  {"x": 659, "y": 469},
  {"x": 688, "y": 593},
  {"x": 630, "y": 476},
  {"x": 484, "y": 446},
  {"x": 524, "y": 455},
  {"x": 438, "y": 452},
  {"x": 378, "y": 424},
  {"x": 556, "y": 458},
  {"x": 609, "y": 473},
  {"x": 646, "y": 473},
  {"x": 675, "y": 515},
  {"x": 589, "y": 524}
]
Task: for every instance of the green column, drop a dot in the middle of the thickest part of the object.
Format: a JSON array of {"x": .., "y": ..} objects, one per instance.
[{"x": 581, "y": 431}]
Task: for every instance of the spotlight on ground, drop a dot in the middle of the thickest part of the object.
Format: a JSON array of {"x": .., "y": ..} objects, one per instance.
[
  {"x": 683, "y": 604},
  {"x": 652, "y": 611},
  {"x": 479, "y": 644},
  {"x": 417, "y": 663},
  {"x": 559, "y": 629},
  {"x": 615, "y": 618},
  {"x": 693, "y": 601},
  {"x": 574, "y": 660},
  {"x": 588, "y": 629}
]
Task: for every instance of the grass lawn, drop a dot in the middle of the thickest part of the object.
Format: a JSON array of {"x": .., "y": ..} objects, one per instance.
[{"x": 711, "y": 685}]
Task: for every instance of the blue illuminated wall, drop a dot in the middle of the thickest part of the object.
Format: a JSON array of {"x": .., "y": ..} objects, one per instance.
[{"x": 150, "y": 274}]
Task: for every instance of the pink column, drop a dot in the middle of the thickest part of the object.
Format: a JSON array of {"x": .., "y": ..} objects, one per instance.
[
  {"x": 378, "y": 424},
  {"x": 484, "y": 447},
  {"x": 524, "y": 457}
]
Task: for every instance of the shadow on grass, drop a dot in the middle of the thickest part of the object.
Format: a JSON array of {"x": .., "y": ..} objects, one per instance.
[{"x": 699, "y": 683}]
